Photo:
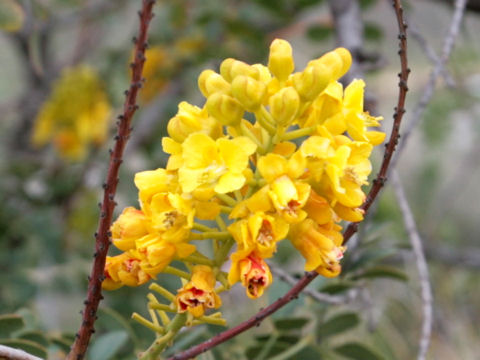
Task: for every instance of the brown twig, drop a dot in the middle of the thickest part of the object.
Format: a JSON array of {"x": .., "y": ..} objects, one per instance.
[
  {"x": 377, "y": 185},
  {"x": 381, "y": 177},
  {"x": 102, "y": 236}
]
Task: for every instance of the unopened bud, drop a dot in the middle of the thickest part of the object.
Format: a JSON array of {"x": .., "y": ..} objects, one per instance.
[
  {"x": 249, "y": 92},
  {"x": 284, "y": 105},
  {"x": 280, "y": 61},
  {"x": 226, "y": 109},
  {"x": 337, "y": 61},
  {"x": 231, "y": 68},
  {"x": 312, "y": 81},
  {"x": 210, "y": 82}
]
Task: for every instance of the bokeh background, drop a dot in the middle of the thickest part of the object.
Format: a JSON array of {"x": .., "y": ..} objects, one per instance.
[{"x": 63, "y": 70}]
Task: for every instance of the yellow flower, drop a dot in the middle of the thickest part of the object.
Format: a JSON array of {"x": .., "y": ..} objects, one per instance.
[
  {"x": 191, "y": 119},
  {"x": 356, "y": 119},
  {"x": 319, "y": 245},
  {"x": 123, "y": 269},
  {"x": 75, "y": 116},
  {"x": 130, "y": 226},
  {"x": 217, "y": 165},
  {"x": 152, "y": 182},
  {"x": 348, "y": 170},
  {"x": 259, "y": 233},
  {"x": 158, "y": 253},
  {"x": 288, "y": 195},
  {"x": 253, "y": 272},
  {"x": 199, "y": 293}
]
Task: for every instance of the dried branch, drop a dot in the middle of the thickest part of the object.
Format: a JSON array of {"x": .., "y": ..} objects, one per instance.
[
  {"x": 429, "y": 88},
  {"x": 390, "y": 147},
  {"x": 102, "y": 235},
  {"x": 421, "y": 263},
  {"x": 8, "y": 353},
  {"x": 378, "y": 184}
]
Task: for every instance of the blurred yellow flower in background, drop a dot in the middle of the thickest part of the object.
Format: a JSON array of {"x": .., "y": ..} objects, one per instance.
[{"x": 75, "y": 116}]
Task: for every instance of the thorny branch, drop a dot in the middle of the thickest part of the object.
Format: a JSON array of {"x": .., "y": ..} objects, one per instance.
[
  {"x": 391, "y": 145},
  {"x": 102, "y": 236},
  {"x": 421, "y": 263},
  {"x": 429, "y": 88},
  {"x": 294, "y": 292}
]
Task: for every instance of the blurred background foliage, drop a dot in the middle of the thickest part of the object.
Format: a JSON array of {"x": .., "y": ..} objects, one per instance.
[{"x": 49, "y": 212}]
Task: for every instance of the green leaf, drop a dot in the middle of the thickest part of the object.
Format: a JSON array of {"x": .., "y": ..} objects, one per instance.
[
  {"x": 337, "y": 288},
  {"x": 290, "y": 323},
  {"x": 383, "y": 271},
  {"x": 26, "y": 345},
  {"x": 34, "y": 336},
  {"x": 288, "y": 339},
  {"x": 357, "y": 351},
  {"x": 10, "y": 323},
  {"x": 319, "y": 32},
  {"x": 62, "y": 343},
  {"x": 11, "y": 15},
  {"x": 338, "y": 323},
  {"x": 108, "y": 345}
]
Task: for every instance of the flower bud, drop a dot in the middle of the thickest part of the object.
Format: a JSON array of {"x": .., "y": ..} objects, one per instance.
[
  {"x": 284, "y": 105},
  {"x": 130, "y": 226},
  {"x": 337, "y": 61},
  {"x": 190, "y": 119},
  {"x": 312, "y": 81},
  {"x": 226, "y": 109},
  {"x": 280, "y": 61},
  {"x": 231, "y": 68},
  {"x": 210, "y": 82},
  {"x": 249, "y": 92}
]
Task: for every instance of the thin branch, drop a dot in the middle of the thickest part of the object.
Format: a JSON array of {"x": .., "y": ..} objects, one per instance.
[
  {"x": 429, "y": 88},
  {"x": 316, "y": 295},
  {"x": 421, "y": 263},
  {"x": 378, "y": 183},
  {"x": 429, "y": 51},
  {"x": 102, "y": 236},
  {"x": 390, "y": 147},
  {"x": 9, "y": 353}
]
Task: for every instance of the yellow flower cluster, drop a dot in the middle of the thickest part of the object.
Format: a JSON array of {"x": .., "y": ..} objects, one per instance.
[
  {"x": 75, "y": 116},
  {"x": 294, "y": 171}
]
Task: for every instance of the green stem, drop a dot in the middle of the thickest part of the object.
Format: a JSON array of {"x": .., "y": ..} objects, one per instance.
[
  {"x": 177, "y": 272},
  {"x": 162, "y": 291},
  {"x": 140, "y": 319},
  {"x": 210, "y": 320},
  {"x": 221, "y": 224},
  {"x": 226, "y": 209},
  {"x": 199, "y": 259},
  {"x": 290, "y": 135},
  {"x": 262, "y": 117},
  {"x": 201, "y": 227},
  {"x": 222, "y": 253},
  {"x": 153, "y": 352},
  {"x": 248, "y": 133},
  {"x": 227, "y": 199},
  {"x": 162, "y": 307},
  {"x": 210, "y": 235}
]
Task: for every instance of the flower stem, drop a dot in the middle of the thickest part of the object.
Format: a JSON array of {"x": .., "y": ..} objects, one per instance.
[
  {"x": 177, "y": 272},
  {"x": 162, "y": 291},
  {"x": 141, "y": 320}
]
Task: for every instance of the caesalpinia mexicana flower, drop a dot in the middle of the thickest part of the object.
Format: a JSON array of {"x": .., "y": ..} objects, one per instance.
[
  {"x": 198, "y": 294},
  {"x": 294, "y": 171}
]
